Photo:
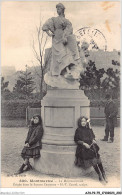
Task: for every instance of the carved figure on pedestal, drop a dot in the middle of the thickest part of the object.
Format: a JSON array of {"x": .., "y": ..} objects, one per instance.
[{"x": 66, "y": 65}]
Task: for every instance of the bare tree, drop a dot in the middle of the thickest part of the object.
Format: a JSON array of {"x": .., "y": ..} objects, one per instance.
[{"x": 38, "y": 50}]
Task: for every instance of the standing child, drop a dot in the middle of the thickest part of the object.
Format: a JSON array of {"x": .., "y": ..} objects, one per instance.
[
  {"x": 87, "y": 149},
  {"x": 32, "y": 143}
]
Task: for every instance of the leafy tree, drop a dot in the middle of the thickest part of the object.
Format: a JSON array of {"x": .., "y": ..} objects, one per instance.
[
  {"x": 111, "y": 83},
  {"x": 116, "y": 63},
  {"x": 24, "y": 85},
  {"x": 91, "y": 79},
  {"x": 5, "y": 92},
  {"x": 99, "y": 82},
  {"x": 4, "y": 85}
]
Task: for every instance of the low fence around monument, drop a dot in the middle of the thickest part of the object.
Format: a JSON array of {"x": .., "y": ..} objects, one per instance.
[{"x": 97, "y": 115}]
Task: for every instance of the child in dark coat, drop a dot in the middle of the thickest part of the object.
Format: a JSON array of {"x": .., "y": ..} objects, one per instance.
[
  {"x": 87, "y": 149},
  {"x": 32, "y": 143}
]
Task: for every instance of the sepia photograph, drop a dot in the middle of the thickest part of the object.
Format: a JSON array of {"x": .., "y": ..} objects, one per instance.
[{"x": 60, "y": 96}]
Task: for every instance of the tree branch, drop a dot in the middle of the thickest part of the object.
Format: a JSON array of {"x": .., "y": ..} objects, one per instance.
[
  {"x": 36, "y": 71},
  {"x": 44, "y": 45},
  {"x": 35, "y": 53}
]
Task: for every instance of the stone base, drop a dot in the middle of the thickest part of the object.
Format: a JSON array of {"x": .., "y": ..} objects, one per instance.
[
  {"x": 59, "y": 161},
  {"x": 60, "y": 112}
]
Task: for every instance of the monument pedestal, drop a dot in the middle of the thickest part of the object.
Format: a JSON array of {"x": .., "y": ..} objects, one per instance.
[{"x": 60, "y": 112}]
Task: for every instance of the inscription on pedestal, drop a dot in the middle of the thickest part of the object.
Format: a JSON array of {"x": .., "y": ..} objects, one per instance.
[{"x": 61, "y": 117}]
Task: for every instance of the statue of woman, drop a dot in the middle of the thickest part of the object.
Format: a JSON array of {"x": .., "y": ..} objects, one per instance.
[
  {"x": 64, "y": 45},
  {"x": 66, "y": 65}
]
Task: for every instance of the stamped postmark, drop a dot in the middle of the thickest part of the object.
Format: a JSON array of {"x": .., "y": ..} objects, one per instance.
[{"x": 94, "y": 37}]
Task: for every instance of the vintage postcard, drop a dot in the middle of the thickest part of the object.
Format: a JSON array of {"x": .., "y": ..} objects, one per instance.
[{"x": 60, "y": 97}]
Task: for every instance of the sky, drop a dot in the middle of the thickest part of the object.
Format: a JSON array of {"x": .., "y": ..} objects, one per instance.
[{"x": 20, "y": 18}]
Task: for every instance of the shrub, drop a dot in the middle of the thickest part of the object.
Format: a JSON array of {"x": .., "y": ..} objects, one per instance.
[{"x": 17, "y": 108}]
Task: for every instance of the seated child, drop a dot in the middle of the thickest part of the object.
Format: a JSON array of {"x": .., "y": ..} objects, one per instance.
[
  {"x": 87, "y": 149},
  {"x": 32, "y": 143}
]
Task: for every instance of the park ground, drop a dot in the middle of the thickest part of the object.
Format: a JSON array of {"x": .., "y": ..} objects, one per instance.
[{"x": 12, "y": 141}]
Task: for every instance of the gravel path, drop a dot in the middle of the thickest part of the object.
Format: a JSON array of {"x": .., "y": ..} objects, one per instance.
[{"x": 12, "y": 140}]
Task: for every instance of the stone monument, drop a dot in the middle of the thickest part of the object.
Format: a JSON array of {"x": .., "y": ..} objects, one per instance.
[{"x": 64, "y": 103}]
